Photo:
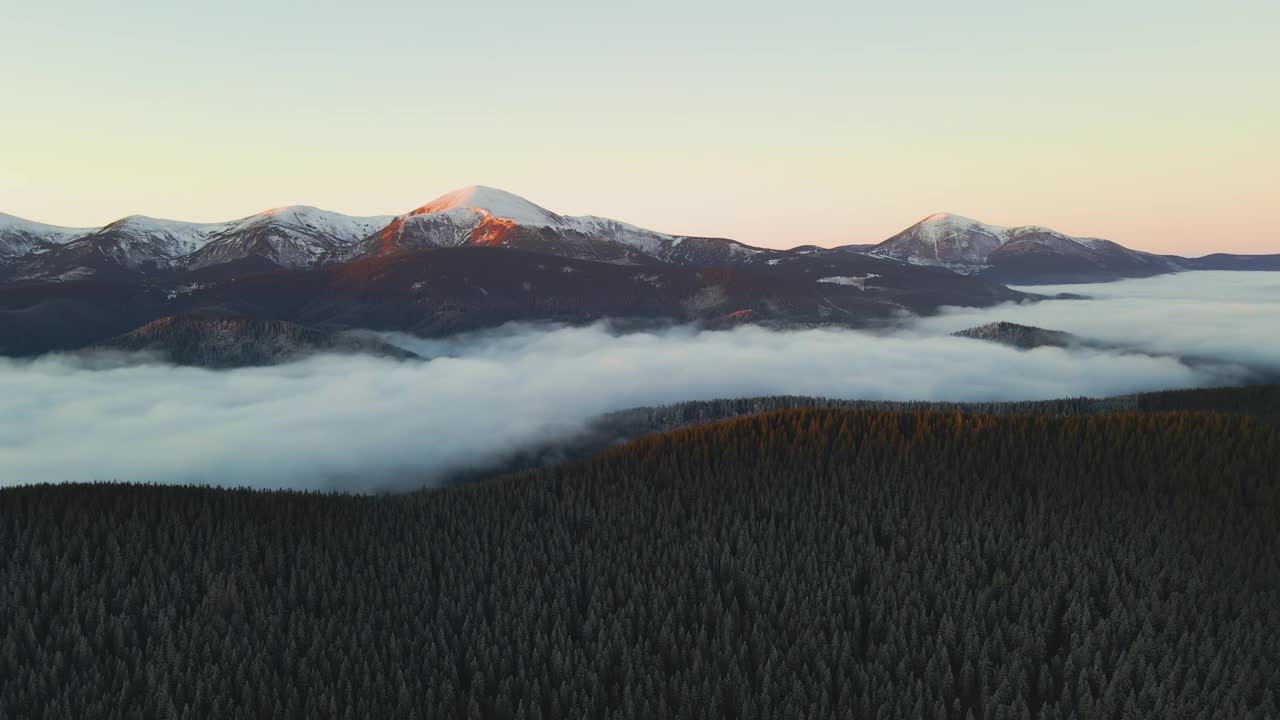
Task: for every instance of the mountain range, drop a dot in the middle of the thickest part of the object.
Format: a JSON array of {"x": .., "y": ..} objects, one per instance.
[
  {"x": 479, "y": 256},
  {"x": 1018, "y": 254},
  {"x": 1032, "y": 254},
  {"x": 307, "y": 237}
]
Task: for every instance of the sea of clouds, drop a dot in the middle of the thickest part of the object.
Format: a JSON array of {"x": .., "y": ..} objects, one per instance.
[{"x": 360, "y": 423}]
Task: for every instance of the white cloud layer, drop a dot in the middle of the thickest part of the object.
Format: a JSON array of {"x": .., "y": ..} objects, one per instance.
[
  {"x": 1226, "y": 315},
  {"x": 361, "y": 422}
]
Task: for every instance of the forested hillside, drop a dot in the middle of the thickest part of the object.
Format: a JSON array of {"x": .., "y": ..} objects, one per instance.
[
  {"x": 1260, "y": 401},
  {"x": 217, "y": 342},
  {"x": 805, "y": 563}
]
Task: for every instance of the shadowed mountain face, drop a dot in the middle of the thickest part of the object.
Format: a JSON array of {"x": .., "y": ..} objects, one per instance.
[
  {"x": 238, "y": 342},
  {"x": 441, "y": 291}
]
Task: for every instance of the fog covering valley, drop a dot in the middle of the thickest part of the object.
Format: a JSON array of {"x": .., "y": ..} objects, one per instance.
[{"x": 362, "y": 423}]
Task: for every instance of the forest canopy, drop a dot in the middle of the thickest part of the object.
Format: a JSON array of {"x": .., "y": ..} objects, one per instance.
[{"x": 803, "y": 563}]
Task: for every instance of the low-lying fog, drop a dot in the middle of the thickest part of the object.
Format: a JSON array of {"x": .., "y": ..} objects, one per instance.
[{"x": 357, "y": 422}]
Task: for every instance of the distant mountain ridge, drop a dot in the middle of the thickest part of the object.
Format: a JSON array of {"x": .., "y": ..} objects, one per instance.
[
  {"x": 474, "y": 258},
  {"x": 286, "y": 237},
  {"x": 20, "y": 237},
  {"x": 307, "y": 237},
  {"x": 480, "y": 257},
  {"x": 486, "y": 216},
  {"x": 1019, "y": 254}
]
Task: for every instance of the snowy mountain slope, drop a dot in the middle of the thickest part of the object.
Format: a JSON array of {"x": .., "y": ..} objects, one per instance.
[
  {"x": 140, "y": 239},
  {"x": 304, "y": 237},
  {"x": 297, "y": 236},
  {"x": 286, "y": 237},
  {"x": 480, "y": 215},
  {"x": 132, "y": 243},
  {"x": 1027, "y": 253},
  {"x": 19, "y": 237},
  {"x": 945, "y": 240},
  {"x": 493, "y": 202},
  {"x": 301, "y": 237}
]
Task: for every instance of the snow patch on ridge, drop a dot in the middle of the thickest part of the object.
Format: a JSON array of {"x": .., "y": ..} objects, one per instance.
[
  {"x": 14, "y": 223},
  {"x": 858, "y": 281},
  {"x": 20, "y": 237}
]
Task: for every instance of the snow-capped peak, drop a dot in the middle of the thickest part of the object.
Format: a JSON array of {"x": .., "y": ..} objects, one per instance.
[
  {"x": 950, "y": 222},
  {"x": 144, "y": 223},
  {"x": 493, "y": 202},
  {"x": 944, "y": 239},
  {"x": 19, "y": 236},
  {"x": 952, "y": 217},
  {"x": 13, "y": 222},
  {"x": 352, "y": 227},
  {"x": 966, "y": 246},
  {"x": 480, "y": 215}
]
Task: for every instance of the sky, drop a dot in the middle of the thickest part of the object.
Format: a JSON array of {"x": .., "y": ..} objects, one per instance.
[{"x": 1149, "y": 123}]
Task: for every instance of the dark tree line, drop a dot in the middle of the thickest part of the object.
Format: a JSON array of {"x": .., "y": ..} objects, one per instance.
[
  {"x": 806, "y": 563},
  {"x": 1262, "y": 401}
]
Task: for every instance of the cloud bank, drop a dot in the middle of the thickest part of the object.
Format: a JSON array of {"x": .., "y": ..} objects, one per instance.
[
  {"x": 1227, "y": 315},
  {"x": 362, "y": 423}
]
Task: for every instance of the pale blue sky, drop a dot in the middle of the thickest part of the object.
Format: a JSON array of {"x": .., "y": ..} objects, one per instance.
[{"x": 1150, "y": 123}]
